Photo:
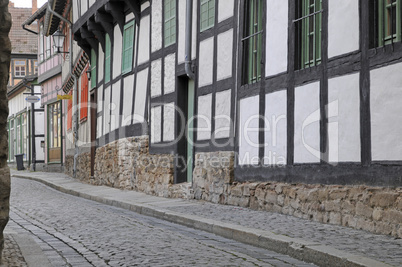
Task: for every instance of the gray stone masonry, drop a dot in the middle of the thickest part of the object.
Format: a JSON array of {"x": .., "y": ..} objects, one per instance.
[{"x": 5, "y": 53}]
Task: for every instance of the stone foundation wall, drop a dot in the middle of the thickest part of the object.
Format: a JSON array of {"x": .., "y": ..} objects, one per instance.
[
  {"x": 127, "y": 164},
  {"x": 375, "y": 209},
  {"x": 83, "y": 167},
  {"x": 5, "y": 52}
]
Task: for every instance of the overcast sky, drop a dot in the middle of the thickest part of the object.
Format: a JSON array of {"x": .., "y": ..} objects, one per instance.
[{"x": 27, "y": 3}]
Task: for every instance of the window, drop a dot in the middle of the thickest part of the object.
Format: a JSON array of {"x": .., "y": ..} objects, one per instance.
[
  {"x": 128, "y": 45},
  {"x": 252, "y": 41},
  {"x": 84, "y": 96},
  {"x": 207, "y": 14},
  {"x": 308, "y": 33},
  {"x": 108, "y": 49},
  {"x": 389, "y": 21},
  {"x": 170, "y": 22},
  {"x": 48, "y": 47},
  {"x": 19, "y": 68},
  {"x": 93, "y": 68},
  {"x": 35, "y": 66},
  {"x": 54, "y": 132}
]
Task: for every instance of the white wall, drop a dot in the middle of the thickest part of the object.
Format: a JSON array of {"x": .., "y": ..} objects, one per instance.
[
  {"x": 222, "y": 114},
  {"x": 128, "y": 95},
  {"x": 84, "y": 6},
  {"x": 204, "y": 116},
  {"x": 156, "y": 119},
  {"x": 99, "y": 108},
  {"x": 206, "y": 62},
  {"x": 118, "y": 46},
  {"x": 140, "y": 96},
  {"x": 344, "y": 118},
  {"x": 225, "y": 9},
  {"x": 156, "y": 78},
  {"x": 115, "y": 106},
  {"x": 170, "y": 74},
  {"x": 168, "y": 122},
  {"x": 386, "y": 112},
  {"x": 275, "y": 148},
  {"x": 156, "y": 26},
  {"x": 248, "y": 130},
  {"x": 225, "y": 55},
  {"x": 143, "y": 42},
  {"x": 343, "y": 27},
  {"x": 277, "y": 37},
  {"x": 307, "y": 124},
  {"x": 106, "y": 111}
]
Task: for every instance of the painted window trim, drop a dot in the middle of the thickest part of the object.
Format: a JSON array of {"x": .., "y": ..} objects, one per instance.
[
  {"x": 128, "y": 52},
  {"x": 108, "y": 57},
  {"x": 253, "y": 41},
  {"x": 170, "y": 38},
  {"x": 210, "y": 12},
  {"x": 93, "y": 68},
  {"x": 384, "y": 23}
]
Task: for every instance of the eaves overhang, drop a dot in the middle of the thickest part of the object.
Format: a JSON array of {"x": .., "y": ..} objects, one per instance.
[
  {"x": 37, "y": 15},
  {"x": 19, "y": 86},
  {"x": 51, "y": 23}
]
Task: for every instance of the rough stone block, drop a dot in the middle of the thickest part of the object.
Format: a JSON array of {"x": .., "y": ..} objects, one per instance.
[
  {"x": 363, "y": 210},
  {"x": 384, "y": 199}
]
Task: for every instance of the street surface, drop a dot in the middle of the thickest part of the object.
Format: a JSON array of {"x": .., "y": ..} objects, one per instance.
[{"x": 76, "y": 232}]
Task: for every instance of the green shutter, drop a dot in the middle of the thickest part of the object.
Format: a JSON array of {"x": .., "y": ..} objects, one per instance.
[
  {"x": 128, "y": 46},
  {"x": 207, "y": 15},
  {"x": 93, "y": 68},
  {"x": 170, "y": 22},
  {"x": 107, "y": 58}
]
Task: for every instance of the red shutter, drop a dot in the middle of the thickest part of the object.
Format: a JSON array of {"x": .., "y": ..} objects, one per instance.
[{"x": 84, "y": 96}]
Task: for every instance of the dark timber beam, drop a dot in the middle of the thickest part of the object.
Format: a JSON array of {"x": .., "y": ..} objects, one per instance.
[
  {"x": 89, "y": 37},
  {"x": 106, "y": 21},
  {"x": 134, "y": 7},
  {"x": 116, "y": 9},
  {"x": 98, "y": 31},
  {"x": 82, "y": 43}
]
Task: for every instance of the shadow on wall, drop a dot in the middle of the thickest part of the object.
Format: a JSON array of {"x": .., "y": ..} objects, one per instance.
[{"x": 5, "y": 53}]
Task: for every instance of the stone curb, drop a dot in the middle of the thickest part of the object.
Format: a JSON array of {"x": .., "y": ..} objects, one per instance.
[{"x": 297, "y": 248}]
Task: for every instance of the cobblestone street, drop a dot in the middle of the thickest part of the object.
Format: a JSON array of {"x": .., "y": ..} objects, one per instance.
[{"x": 76, "y": 232}]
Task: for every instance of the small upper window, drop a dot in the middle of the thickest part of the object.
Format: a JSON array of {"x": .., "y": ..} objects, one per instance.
[
  {"x": 128, "y": 46},
  {"x": 207, "y": 14},
  {"x": 386, "y": 22},
  {"x": 170, "y": 22},
  {"x": 308, "y": 33},
  {"x": 19, "y": 68}
]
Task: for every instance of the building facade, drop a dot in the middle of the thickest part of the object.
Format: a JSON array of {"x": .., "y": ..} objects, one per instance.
[{"x": 286, "y": 106}]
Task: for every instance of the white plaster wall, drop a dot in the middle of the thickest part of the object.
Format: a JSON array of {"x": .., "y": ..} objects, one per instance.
[
  {"x": 143, "y": 46},
  {"x": 225, "y": 55},
  {"x": 343, "y": 34},
  {"x": 307, "y": 124},
  {"x": 206, "y": 62},
  {"x": 99, "y": 109},
  {"x": 129, "y": 16},
  {"x": 204, "y": 116},
  {"x": 106, "y": 111},
  {"x": 91, "y": 2},
  {"x": 117, "y": 51},
  {"x": 344, "y": 118},
  {"x": 156, "y": 120},
  {"x": 140, "y": 96},
  {"x": 170, "y": 74},
  {"x": 275, "y": 148},
  {"x": 101, "y": 64},
  {"x": 115, "y": 106},
  {"x": 128, "y": 88},
  {"x": 145, "y": 5},
  {"x": 277, "y": 37},
  {"x": 168, "y": 122},
  {"x": 248, "y": 130},
  {"x": 156, "y": 78},
  {"x": 222, "y": 114},
  {"x": 386, "y": 113},
  {"x": 84, "y": 7},
  {"x": 225, "y": 9},
  {"x": 75, "y": 10},
  {"x": 156, "y": 26}
]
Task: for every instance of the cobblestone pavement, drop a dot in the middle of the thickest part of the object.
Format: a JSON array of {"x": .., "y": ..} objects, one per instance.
[
  {"x": 380, "y": 247},
  {"x": 76, "y": 232},
  {"x": 12, "y": 256}
]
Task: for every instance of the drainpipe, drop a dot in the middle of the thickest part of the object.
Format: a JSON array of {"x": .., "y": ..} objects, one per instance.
[
  {"x": 189, "y": 27},
  {"x": 75, "y": 93}
]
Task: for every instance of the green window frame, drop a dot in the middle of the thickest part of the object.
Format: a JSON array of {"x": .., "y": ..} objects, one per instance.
[
  {"x": 389, "y": 21},
  {"x": 207, "y": 16},
  {"x": 128, "y": 47},
  {"x": 170, "y": 22},
  {"x": 252, "y": 41},
  {"x": 93, "y": 68},
  {"x": 108, "y": 49},
  {"x": 310, "y": 20}
]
